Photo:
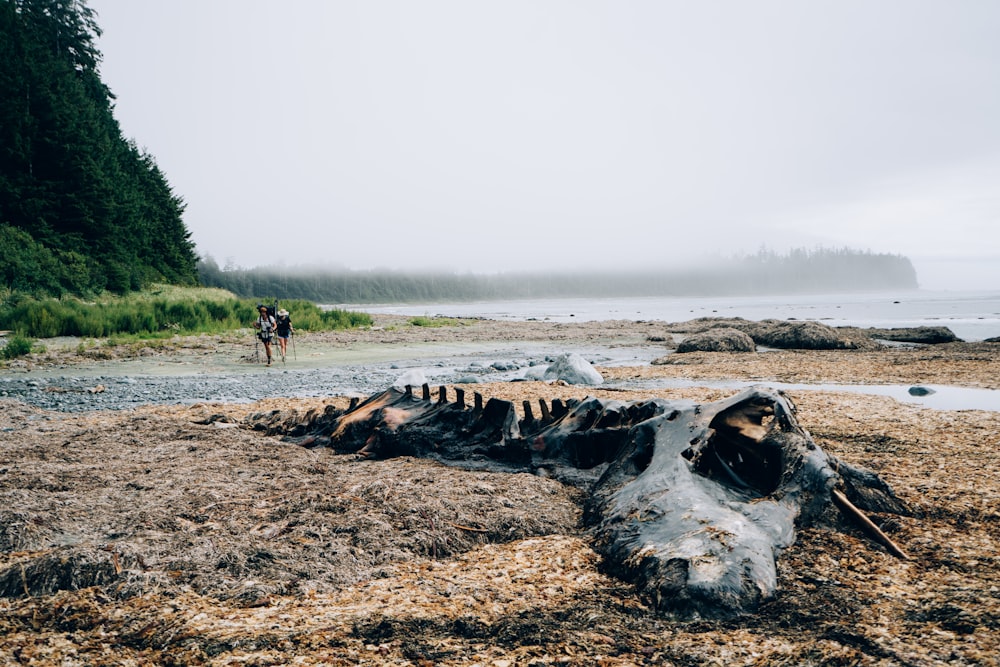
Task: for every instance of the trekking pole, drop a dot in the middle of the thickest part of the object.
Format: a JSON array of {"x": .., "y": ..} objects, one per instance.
[{"x": 291, "y": 334}]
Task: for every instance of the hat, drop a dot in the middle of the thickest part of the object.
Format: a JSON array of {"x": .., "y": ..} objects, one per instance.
[{"x": 283, "y": 312}]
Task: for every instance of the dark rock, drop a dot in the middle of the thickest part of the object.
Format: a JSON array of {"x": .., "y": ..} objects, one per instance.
[
  {"x": 925, "y": 335},
  {"x": 785, "y": 334},
  {"x": 720, "y": 339},
  {"x": 920, "y": 391},
  {"x": 800, "y": 336},
  {"x": 504, "y": 366}
]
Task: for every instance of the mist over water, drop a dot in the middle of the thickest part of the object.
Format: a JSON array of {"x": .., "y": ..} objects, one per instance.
[{"x": 971, "y": 315}]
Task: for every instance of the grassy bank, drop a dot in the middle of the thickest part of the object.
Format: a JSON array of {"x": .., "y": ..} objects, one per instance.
[{"x": 157, "y": 313}]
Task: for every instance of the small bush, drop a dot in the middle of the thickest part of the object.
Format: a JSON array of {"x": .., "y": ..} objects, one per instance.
[
  {"x": 346, "y": 319},
  {"x": 421, "y": 321},
  {"x": 17, "y": 346}
]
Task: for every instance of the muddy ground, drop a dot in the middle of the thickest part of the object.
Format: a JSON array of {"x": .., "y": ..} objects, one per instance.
[{"x": 177, "y": 535}]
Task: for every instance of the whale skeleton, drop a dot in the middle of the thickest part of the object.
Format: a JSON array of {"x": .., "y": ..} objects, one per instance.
[{"x": 692, "y": 503}]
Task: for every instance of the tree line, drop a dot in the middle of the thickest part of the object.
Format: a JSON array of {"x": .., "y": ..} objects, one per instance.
[
  {"x": 82, "y": 208},
  {"x": 800, "y": 271}
]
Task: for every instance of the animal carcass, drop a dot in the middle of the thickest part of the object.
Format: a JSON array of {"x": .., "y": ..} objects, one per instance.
[{"x": 693, "y": 503}]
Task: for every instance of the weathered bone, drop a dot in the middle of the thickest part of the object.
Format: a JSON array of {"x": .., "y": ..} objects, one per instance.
[{"x": 692, "y": 503}]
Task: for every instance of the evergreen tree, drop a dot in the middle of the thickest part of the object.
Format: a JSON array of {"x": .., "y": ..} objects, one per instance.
[{"x": 68, "y": 179}]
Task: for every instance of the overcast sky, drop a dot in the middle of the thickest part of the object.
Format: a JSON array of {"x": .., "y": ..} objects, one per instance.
[{"x": 486, "y": 136}]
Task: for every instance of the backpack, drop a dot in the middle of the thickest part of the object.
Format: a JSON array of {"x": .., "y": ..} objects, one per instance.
[{"x": 267, "y": 326}]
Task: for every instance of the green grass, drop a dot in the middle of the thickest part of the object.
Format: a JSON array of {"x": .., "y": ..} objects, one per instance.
[
  {"x": 17, "y": 346},
  {"x": 422, "y": 321},
  {"x": 158, "y": 313}
]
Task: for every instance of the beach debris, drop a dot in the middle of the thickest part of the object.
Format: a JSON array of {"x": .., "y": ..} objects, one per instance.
[
  {"x": 692, "y": 503},
  {"x": 849, "y": 509}
]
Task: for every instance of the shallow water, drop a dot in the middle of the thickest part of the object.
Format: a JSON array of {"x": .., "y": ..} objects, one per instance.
[
  {"x": 944, "y": 397},
  {"x": 73, "y": 392}
]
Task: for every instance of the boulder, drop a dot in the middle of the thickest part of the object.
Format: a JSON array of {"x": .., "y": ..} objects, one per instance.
[
  {"x": 573, "y": 369},
  {"x": 535, "y": 373}
]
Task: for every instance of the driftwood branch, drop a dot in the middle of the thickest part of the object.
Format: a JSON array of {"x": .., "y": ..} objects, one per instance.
[{"x": 849, "y": 509}]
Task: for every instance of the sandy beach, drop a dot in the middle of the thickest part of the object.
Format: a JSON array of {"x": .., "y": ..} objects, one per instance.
[{"x": 233, "y": 547}]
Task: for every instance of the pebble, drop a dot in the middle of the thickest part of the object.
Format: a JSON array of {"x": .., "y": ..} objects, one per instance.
[
  {"x": 78, "y": 392},
  {"x": 73, "y": 394}
]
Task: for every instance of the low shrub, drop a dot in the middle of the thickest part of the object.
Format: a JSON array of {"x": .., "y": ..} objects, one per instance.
[
  {"x": 17, "y": 346},
  {"x": 149, "y": 317},
  {"x": 421, "y": 321}
]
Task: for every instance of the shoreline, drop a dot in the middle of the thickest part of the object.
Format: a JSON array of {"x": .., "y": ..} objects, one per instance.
[
  {"x": 630, "y": 355},
  {"x": 393, "y": 339}
]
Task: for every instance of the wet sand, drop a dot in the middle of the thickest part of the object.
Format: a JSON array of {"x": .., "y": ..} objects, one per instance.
[{"x": 392, "y": 339}]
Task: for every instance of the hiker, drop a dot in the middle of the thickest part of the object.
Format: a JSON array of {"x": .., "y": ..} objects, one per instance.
[
  {"x": 284, "y": 329},
  {"x": 265, "y": 325}
]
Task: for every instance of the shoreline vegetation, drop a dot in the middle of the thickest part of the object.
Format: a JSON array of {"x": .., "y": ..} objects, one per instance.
[{"x": 157, "y": 314}]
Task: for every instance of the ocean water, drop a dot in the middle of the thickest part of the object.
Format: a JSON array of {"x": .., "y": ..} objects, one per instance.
[{"x": 972, "y": 316}]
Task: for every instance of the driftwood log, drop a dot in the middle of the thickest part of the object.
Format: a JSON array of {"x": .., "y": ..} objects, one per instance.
[{"x": 693, "y": 503}]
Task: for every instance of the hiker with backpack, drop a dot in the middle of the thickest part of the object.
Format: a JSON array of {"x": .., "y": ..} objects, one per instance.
[
  {"x": 265, "y": 326},
  {"x": 284, "y": 330}
]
